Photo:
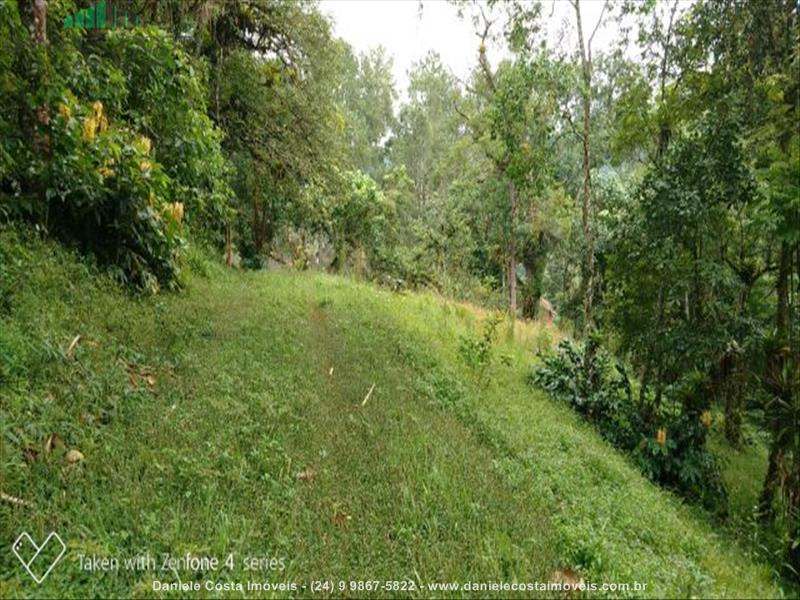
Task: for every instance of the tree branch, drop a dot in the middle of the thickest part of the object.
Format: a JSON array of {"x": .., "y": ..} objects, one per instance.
[
  {"x": 482, "y": 60},
  {"x": 568, "y": 117},
  {"x": 594, "y": 31}
]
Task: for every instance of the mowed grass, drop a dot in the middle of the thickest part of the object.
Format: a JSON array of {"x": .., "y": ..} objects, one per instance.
[
  {"x": 231, "y": 419},
  {"x": 206, "y": 459}
]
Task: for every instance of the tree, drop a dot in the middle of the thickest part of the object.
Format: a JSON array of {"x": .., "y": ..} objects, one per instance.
[
  {"x": 360, "y": 217},
  {"x": 427, "y": 129},
  {"x": 587, "y": 218},
  {"x": 365, "y": 98},
  {"x": 514, "y": 109},
  {"x": 276, "y": 67},
  {"x": 750, "y": 55}
]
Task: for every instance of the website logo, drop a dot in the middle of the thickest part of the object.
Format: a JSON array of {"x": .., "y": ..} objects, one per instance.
[
  {"x": 39, "y": 560},
  {"x": 108, "y": 14}
]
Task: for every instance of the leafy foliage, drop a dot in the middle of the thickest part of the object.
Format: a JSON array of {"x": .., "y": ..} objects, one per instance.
[
  {"x": 477, "y": 352},
  {"x": 668, "y": 445},
  {"x": 646, "y": 191},
  {"x": 121, "y": 148},
  {"x": 166, "y": 99},
  {"x": 110, "y": 194}
]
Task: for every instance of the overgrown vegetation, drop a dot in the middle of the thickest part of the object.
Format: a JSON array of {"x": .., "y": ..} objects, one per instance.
[
  {"x": 667, "y": 442},
  {"x": 107, "y": 143},
  {"x": 478, "y": 352},
  {"x": 436, "y": 478}
]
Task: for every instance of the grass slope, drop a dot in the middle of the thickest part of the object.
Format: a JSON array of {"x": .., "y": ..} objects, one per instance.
[{"x": 229, "y": 419}]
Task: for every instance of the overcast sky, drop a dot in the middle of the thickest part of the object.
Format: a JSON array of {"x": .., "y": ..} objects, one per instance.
[{"x": 408, "y": 33}]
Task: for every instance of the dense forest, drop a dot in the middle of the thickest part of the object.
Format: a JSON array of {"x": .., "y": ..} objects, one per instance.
[{"x": 644, "y": 196}]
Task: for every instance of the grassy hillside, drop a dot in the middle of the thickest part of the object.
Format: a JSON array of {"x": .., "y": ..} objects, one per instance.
[{"x": 231, "y": 418}]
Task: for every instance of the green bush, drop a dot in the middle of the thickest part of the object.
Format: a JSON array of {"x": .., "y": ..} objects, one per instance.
[
  {"x": 108, "y": 193},
  {"x": 166, "y": 100},
  {"x": 477, "y": 351},
  {"x": 107, "y": 145},
  {"x": 667, "y": 442}
]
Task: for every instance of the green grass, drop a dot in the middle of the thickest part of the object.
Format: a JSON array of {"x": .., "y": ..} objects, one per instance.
[
  {"x": 744, "y": 470},
  {"x": 196, "y": 412}
]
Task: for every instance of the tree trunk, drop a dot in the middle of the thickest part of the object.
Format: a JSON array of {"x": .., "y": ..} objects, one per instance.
[
  {"x": 228, "y": 245},
  {"x": 664, "y": 131},
  {"x": 770, "y": 484},
  {"x": 781, "y": 326},
  {"x": 644, "y": 379},
  {"x": 794, "y": 531},
  {"x": 40, "y": 22},
  {"x": 782, "y": 290},
  {"x": 512, "y": 255},
  {"x": 39, "y": 35},
  {"x": 586, "y": 212},
  {"x": 41, "y": 133},
  {"x": 732, "y": 386},
  {"x": 659, "y": 383},
  {"x": 697, "y": 310},
  {"x": 732, "y": 375},
  {"x": 533, "y": 256},
  {"x": 258, "y": 241},
  {"x": 339, "y": 258}
]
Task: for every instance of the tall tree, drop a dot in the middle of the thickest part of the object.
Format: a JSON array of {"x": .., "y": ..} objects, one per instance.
[
  {"x": 514, "y": 105},
  {"x": 427, "y": 129},
  {"x": 587, "y": 217},
  {"x": 366, "y": 96}
]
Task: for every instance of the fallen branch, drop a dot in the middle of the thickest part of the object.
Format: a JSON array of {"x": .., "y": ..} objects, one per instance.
[
  {"x": 73, "y": 344},
  {"x": 14, "y": 500},
  {"x": 369, "y": 393}
]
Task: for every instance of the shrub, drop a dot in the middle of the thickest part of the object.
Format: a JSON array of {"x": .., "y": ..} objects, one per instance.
[
  {"x": 166, "y": 100},
  {"x": 476, "y": 352},
  {"x": 108, "y": 194},
  {"x": 604, "y": 398},
  {"x": 105, "y": 142},
  {"x": 667, "y": 443}
]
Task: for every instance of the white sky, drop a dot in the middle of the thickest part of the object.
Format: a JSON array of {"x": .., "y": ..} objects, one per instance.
[{"x": 407, "y": 34}]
